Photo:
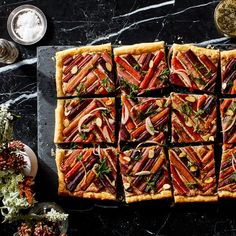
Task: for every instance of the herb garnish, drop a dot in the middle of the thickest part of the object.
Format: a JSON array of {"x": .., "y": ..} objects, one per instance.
[
  {"x": 102, "y": 168},
  {"x": 199, "y": 112},
  {"x": 81, "y": 89},
  {"x": 105, "y": 82},
  {"x": 151, "y": 182},
  {"x": 192, "y": 185},
  {"x": 83, "y": 135},
  {"x": 133, "y": 89},
  {"x": 186, "y": 109},
  {"x": 137, "y": 156},
  {"x": 79, "y": 158},
  {"x": 164, "y": 75},
  {"x": 200, "y": 81},
  {"x": 106, "y": 112},
  {"x": 143, "y": 72},
  {"x": 234, "y": 176},
  {"x": 137, "y": 67}
]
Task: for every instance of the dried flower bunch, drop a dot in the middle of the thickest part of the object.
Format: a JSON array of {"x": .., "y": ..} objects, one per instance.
[
  {"x": 15, "y": 187},
  {"x": 47, "y": 224}
]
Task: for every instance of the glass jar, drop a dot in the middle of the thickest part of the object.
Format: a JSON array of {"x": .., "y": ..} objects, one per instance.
[
  {"x": 8, "y": 52},
  {"x": 225, "y": 17}
]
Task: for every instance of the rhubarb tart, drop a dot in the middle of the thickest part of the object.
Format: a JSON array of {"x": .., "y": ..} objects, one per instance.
[
  {"x": 144, "y": 119},
  {"x": 84, "y": 71},
  {"x": 193, "y": 118},
  {"x": 228, "y": 72},
  {"x": 144, "y": 174},
  {"x": 88, "y": 120},
  {"x": 227, "y": 178},
  {"x": 228, "y": 119},
  {"x": 87, "y": 173},
  {"x": 194, "y": 67},
  {"x": 193, "y": 173},
  {"x": 141, "y": 67}
]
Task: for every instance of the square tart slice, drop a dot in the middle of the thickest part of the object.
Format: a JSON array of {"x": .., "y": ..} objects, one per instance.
[
  {"x": 144, "y": 119},
  {"x": 193, "y": 118},
  {"x": 86, "y": 121},
  {"x": 85, "y": 71},
  {"x": 193, "y": 173},
  {"x": 227, "y": 178},
  {"x": 228, "y": 119},
  {"x": 194, "y": 67},
  {"x": 141, "y": 67},
  {"x": 228, "y": 72},
  {"x": 87, "y": 173},
  {"x": 144, "y": 174}
]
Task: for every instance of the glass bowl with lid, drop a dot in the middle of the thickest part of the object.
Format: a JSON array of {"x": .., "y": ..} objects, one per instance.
[{"x": 27, "y": 24}]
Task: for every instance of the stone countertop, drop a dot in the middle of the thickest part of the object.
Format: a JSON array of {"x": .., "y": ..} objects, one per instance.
[{"x": 119, "y": 22}]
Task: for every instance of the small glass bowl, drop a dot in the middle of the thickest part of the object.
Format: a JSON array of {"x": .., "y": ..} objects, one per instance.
[
  {"x": 217, "y": 15},
  {"x": 12, "y": 20}
]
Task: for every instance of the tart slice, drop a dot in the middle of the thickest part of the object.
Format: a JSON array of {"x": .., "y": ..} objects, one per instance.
[
  {"x": 193, "y": 173},
  {"x": 228, "y": 72},
  {"x": 144, "y": 119},
  {"x": 228, "y": 119},
  {"x": 227, "y": 178},
  {"x": 144, "y": 174},
  {"x": 84, "y": 71},
  {"x": 141, "y": 67},
  {"x": 193, "y": 118},
  {"x": 194, "y": 67},
  {"x": 90, "y": 120},
  {"x": 87, "y": 173}
]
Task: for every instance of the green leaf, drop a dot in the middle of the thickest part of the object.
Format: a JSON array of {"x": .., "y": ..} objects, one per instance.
[
  {"x": 137, "y": 67},
  {"x": 106, "y": 112},
  {"x": 186, "y": 109},
  {"x": 192, "y": 185},
  {"x": 234, "y": 176},
  {"x": 82, "y": 135},
  {"x": 164, "y": 75},
  {"x": 133, "y": 89},
  {"x": 79, "y": 158},
  {"x": 199, "y": 112},
  {"x": 200, "y": 81},
  {"x": 102, "y": 168}
]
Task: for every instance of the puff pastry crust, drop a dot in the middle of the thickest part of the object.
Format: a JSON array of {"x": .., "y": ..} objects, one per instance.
[
  {"x": 141, "y": 67},
  {"x": 88, "y": 120},
  {"x": 193, "y": 118},
  {"x": 194, "y": 68},
  {"x": 148, "y": 119},
  {"x": 84, "y": 71},
  {"x": 193, "y": 173},
  {"x": 96, "y": 183},
  {"x": 227, "y": 178},
  {"x": 144, "y": 174},
  {"x": 228, "y": 71}
]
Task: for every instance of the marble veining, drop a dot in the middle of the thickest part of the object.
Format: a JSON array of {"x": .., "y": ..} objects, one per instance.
[{"x": 18, "y": 64}]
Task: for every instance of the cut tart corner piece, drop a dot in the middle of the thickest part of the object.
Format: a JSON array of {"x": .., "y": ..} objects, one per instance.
[
  {"x": 193, "y": 118},
  {"x": 144, "y": 174},
  {"x": 85, "y": 71},
  {"x": 228, "y": 71},
  {"x": 193, "y": 173},
  {"x": 227, "y": 178},
  {"x": 85, "y": 120},
  {"x": 228, "y": 119},
  {"x": 141, "y": 67},
  {"x": 194, "y": 67},
  {"x": 87, "y": 173},
  {"x": 144, "y": 119}
]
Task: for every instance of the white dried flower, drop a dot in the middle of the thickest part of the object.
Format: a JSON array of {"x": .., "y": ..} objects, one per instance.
[{"x": 56, "y": 216}]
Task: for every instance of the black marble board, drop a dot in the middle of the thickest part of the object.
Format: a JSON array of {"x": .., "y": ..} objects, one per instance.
[{"x": 116, "y": 218}]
